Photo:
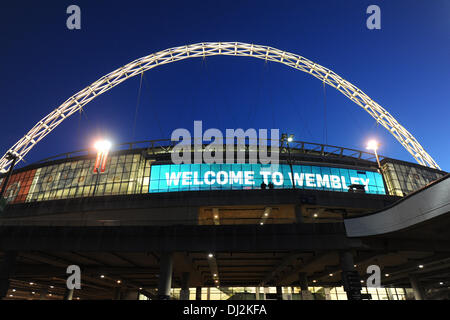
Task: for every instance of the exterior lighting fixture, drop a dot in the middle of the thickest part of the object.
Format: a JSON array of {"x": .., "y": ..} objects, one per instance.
[
  {"x": 387, "y": 274},
  {"x": 10, "y": 295},
  {"x": 216, "y": 281},
  {"x": 78, "y": 298},
  {"x": 215, "y": 275},
  {"x": 373, "y": 145},
  {"x": 315, "y": 215},
  {"x": 102, "y": 145},
  {"x": 102, "y": 276},
  {"x": 51, "y": 287},
  {"x": 290, "y": 138},
  {"x": 140, "y": 288},
  {"x": 314, "y": 281},
  {"x": 102, "y": 148},
  {"x": 362, "y": 281},
  {"x": 118, "y": 281},
  {"x": 31, "y": 283},
  {"x": 354, "y": 266},
  {"x": 32, "y": 292},
  {"x": 50, "y": 294},
  {"x": 330, "y": 274},
  {"x": 441, "y": 283},
  {"x": 261, "y": 223},
  {"x": 216, "y": 216},
  {"x": 420, "y": 266},
  {"x": 266, "y": 214},
  {"x": 210, "y": 255},
  {"x": 13, "y": 290}
]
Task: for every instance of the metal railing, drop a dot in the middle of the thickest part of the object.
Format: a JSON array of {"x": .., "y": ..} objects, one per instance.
[{"x": 166, "y": 145}]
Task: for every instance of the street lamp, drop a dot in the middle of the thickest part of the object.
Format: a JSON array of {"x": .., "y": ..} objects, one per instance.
[
  {"x": 287, "y": 139},
  {"x": 373, "y": 145},
  {"x": 102, "y": 147}
]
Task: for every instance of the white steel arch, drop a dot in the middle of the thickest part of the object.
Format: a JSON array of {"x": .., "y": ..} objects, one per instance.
[{"x": 107, "y": 82}]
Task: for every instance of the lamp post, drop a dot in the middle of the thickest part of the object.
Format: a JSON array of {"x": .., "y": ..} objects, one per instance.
[
  {"x": 102, "y": 147},
  {"x": 13, "y": 157},
  {"x": 285, "y": 138}
]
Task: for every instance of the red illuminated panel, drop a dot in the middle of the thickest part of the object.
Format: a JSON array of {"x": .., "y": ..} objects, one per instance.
[
  {"x": 19, "y": 185},
  {"x": 100, "y": 161},
  {"x": 97, "y": 161},
  {"x": 104, "y": 162}
]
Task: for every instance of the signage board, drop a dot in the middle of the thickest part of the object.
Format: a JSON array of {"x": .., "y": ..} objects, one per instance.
[{"x": 197, "y": 177}]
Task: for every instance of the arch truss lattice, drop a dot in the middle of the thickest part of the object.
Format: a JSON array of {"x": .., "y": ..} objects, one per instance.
[{"x": 199, "y": 50}]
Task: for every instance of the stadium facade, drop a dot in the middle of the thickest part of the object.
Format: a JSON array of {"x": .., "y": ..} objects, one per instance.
[{"x": 146, "y": 227}]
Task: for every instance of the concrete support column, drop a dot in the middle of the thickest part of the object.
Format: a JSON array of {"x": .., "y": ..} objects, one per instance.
[
  {"x": 184, "y": 293},
  {"x": 165, "y": 275},
  {"x": 419, "y": 292},
  {"x": 298, "y": 213},
  {"x": 117, "y": 293},
  {"x": 208, "y": 293},
  {"x": 279, "y": 293},
  {"x": 303, "y": 280},
  {"x": 327, "y": 293},
  {"x": 68, "y": 295},
  {"x": 347, "y": 265},
  {"x": 198, "y": 293},
  {"x": 43, "y": 294},
  {"x": 266, "y": 291},
  {"x": 6, "y": 272},
  {"x": 257, "y": 293}
]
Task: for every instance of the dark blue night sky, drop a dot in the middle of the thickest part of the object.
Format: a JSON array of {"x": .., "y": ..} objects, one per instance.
[{"x": 405, "y": 67}]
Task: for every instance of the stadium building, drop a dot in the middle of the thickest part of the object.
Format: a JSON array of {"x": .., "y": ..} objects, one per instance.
[
  {"x": 326, "y": 222},
  {"x": 146, "y": 228}
]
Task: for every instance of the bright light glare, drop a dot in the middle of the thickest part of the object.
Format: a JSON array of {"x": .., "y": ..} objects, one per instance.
[
  {"x": 102, "y": 145},
  {"x": 290, "y": 139},
  {"x": 372, "y": 145}
]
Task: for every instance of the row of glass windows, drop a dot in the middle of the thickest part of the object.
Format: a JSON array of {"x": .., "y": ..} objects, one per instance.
[
  {"x": 402, "y": 179},
  {"x": 289, "y": 293},
  {"x": 124, "y": 174},
  {"x": 132, "y": 173}
]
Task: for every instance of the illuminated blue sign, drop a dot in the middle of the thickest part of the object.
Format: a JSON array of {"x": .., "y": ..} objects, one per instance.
[{"x": 194, "y": 177}]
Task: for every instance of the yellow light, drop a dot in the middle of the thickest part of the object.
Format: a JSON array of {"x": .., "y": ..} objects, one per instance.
[
  {"x": 102, "y": 145},
  {"x": 372, "y": 145}
]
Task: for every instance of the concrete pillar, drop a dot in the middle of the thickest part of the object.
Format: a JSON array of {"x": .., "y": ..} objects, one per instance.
[
  {"x": 303, "y": 280},
  {"x": 298, "y": 214},
  {"x": 68, "y": 295},
  {"x": 327, "y": 293},
  {"x": 257, "y": 293},
  {"x": 208, "y": 293},
  {"x": 184, "y": 293},
  {"x": 198, "y": 293},
  {"x": 279, "y": 293},
  {"x": 165, "y": 275},
  {"x": 117, "y": 293},
  {"x": 6, "y": 272},
  {"x": 266, "y": 291},
  {"x": 419, "y": 292},
  {"x": 43, "y": 294},
  {"x": 347, "y": 265}
]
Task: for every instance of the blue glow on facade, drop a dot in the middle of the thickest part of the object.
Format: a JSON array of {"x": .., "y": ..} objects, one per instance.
[{"x": 196, "y": 177}]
